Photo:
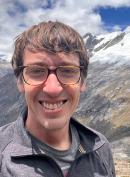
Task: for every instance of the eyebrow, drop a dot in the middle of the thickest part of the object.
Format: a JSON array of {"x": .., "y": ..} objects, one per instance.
[
  {"x": 38, "y": 64},
  {"x": 45, "y": 64}
]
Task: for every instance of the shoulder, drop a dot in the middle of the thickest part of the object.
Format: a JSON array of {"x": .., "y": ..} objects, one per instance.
[{"x": 6, "y": 134}]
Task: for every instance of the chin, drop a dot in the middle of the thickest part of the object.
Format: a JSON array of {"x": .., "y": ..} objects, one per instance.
[{"x": 55, "y": 124}]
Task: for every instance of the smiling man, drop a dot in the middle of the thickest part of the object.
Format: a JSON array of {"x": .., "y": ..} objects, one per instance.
[{"x": 50, "y": 63}]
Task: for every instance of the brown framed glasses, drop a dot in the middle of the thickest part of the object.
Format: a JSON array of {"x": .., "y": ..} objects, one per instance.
[{"x": 36, "y": 75}]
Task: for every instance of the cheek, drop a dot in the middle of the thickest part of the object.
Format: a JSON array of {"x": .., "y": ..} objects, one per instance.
[
  {"x": 75, "y": 93},
  {"x": 30, "y": 93}
]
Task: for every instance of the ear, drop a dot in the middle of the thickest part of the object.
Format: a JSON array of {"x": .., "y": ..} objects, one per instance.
[
  {"x": 83, "y": 86},
  {"x": 20, "y": 85}
]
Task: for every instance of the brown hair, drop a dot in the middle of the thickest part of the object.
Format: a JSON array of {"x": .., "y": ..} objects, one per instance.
[{"x": 50, "y": 36}]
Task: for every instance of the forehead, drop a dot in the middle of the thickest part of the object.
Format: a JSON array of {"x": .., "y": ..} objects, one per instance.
[{"x": 48, "y": 58}]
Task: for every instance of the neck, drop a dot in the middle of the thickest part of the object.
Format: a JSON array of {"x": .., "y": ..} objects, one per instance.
[{"x": 59, "y": 139}]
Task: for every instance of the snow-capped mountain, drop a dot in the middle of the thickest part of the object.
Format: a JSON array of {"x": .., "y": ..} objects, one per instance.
[{"x": 110, "y": 47}]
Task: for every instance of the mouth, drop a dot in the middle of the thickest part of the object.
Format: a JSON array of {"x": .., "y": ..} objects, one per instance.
[{"x": 52, "y": 106}]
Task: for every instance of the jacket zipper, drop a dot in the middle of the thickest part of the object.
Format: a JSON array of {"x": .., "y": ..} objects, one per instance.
[
  {"x": 82, "y": 151},
  {"x": 60, "y": 174}
]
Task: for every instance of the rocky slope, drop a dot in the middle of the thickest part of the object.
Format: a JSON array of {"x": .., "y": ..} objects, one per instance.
[{"x": 107, "y": 99}]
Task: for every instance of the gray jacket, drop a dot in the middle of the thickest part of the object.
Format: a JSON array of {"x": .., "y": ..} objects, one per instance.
[{"x": 20, "y": 157}]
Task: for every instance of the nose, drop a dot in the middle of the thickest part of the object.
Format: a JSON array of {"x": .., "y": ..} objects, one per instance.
[{"x": 52, "y": 86}]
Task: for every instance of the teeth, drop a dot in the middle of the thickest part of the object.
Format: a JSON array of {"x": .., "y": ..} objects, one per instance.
[{"x": 52, "y": 106}]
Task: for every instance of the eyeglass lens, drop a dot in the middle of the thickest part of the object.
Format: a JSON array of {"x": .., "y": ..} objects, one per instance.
[{"x": 35, "y": 75}]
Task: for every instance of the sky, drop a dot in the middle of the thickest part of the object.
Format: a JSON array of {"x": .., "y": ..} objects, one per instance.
[{"x": 95, "y": 16}]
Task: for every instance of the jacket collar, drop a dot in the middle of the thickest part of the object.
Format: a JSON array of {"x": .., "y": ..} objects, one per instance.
[
  {"x": 22, "y": 144},
  {"x": 90, "y": 139}
]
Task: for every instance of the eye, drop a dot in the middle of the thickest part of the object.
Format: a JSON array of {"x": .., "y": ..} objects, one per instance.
[
  {"x": 69, "y": 70},
  {"x": 35, "y": 71}
]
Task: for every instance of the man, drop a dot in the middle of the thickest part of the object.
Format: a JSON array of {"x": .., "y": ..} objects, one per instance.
[{"x": 50, "y": 63}]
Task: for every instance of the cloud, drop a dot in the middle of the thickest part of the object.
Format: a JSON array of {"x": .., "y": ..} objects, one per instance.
[
  {"x": 17, "y": 15},
  {"x": 127, "y": 30}
]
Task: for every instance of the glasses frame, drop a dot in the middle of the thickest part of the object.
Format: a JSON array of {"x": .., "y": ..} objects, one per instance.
[{"x": 49, "y": 71}]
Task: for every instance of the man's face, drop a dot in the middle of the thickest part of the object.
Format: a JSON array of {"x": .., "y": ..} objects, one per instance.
[{"x": 51, "y": 104}]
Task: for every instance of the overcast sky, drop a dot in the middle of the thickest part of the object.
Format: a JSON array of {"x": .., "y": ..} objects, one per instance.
[{"x": 84, "y": 15}]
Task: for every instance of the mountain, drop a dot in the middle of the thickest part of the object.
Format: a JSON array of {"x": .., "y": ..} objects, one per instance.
[
  {"x": 4, "y": 68},
  {"x": 105, "y": 105}
]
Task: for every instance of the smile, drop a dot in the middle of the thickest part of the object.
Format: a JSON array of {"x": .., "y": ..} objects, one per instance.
[{"x": 52, "y": 106}]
